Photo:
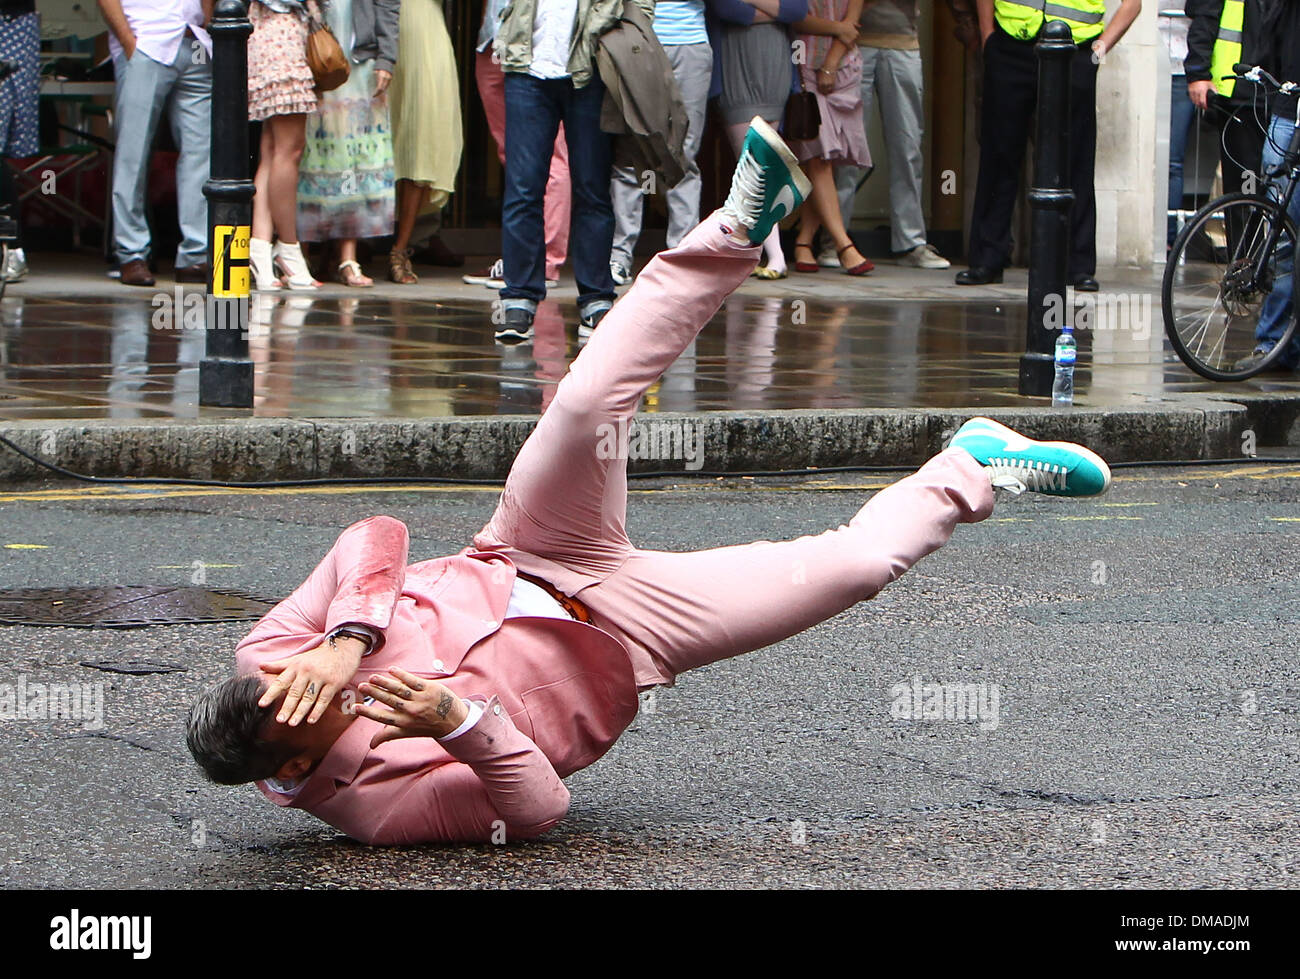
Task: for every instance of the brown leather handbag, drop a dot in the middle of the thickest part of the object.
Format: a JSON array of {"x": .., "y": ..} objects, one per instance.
[
  {"x": 325, "y": 57},
  {"x": 803, "y": 119}
]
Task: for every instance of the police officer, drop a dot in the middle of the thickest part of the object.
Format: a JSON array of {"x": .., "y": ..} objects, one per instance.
[
  {"x": 1223, "y": 33},
  {"x": 1010, "y": 28}
]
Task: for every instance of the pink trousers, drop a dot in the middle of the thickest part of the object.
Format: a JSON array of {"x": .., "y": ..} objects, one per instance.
[
  {"x": 492, "y": 90},
  {"x": 562, "y": 512}
]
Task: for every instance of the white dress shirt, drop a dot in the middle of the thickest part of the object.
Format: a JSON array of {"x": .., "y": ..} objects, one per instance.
[
  {"x": 159, "y": 27},
  {"x": 553, "y": 25}
]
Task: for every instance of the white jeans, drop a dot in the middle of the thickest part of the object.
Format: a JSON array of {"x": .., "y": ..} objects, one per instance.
[{"x": 895, "y": 77}]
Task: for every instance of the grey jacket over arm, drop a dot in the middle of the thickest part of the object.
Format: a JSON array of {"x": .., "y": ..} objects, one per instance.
[{"x": 374, "y": 31}]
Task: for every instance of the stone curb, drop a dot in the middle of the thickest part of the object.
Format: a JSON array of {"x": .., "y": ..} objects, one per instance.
[{"x": 482, "y": 448}]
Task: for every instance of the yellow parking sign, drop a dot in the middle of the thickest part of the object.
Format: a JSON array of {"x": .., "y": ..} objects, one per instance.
[{"x": 230, "y": 268}]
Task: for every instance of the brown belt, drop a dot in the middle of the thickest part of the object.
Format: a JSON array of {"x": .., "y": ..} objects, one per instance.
[{"x": 575, "y": 608}]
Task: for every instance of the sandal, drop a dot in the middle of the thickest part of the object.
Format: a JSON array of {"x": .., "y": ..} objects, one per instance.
[
  {"x": 399, "y": 267},
  {"x": 350, "y": 274},
  {"x": 805, "y": 266},
  {"x": 862, "y": 268}
]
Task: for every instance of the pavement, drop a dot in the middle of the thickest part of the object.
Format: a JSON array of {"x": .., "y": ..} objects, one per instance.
[{"x": 1141, "y": 644}]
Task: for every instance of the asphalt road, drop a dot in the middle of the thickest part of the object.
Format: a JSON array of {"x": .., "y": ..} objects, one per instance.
[{"x": 1141, "y": 649}]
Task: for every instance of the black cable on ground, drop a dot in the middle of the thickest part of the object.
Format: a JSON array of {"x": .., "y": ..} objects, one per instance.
[{"x": 462, "y": 481}]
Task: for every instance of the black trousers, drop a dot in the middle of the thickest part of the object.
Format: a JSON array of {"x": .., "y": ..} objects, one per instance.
[
  {"x": 1241, "y": 145},
  {"x": 1010, "y": 95}
]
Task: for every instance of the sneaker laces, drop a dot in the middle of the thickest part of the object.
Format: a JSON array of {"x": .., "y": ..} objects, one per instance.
[
  {"x": 1018, "y": 475},
  {"x": 745, "y": 202}
]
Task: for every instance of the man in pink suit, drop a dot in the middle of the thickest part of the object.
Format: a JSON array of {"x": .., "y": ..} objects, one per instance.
[{"x": 447, "y": 700}]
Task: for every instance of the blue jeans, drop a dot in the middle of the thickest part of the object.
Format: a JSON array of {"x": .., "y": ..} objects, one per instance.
[
  {"x": 535, "y": 107},
  {"x": 1181, "y": 115},
  {"x": 145, "y": 90},
  {"x": 1277, "y": 309}
]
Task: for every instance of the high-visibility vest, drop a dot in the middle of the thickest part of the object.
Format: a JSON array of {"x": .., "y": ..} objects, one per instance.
[
  {"x": 1227, "y": 47},
  {"x": 1023, "y": 19}
]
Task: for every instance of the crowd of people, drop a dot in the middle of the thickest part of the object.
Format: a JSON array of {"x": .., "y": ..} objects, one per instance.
[
  {"x": 367, "y": 159},
  {"x": 362, "y": 161}
]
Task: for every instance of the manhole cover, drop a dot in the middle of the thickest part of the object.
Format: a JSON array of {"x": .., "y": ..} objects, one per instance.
[{"x": 127, "y": 606}]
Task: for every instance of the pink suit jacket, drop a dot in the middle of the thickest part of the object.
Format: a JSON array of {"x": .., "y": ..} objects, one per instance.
[{"x": 557, "y": 693}]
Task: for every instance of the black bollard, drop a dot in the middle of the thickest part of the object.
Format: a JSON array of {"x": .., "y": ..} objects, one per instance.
[
  {"x": 1050, "y": 199},
  {"x": 226, "y": 372}
]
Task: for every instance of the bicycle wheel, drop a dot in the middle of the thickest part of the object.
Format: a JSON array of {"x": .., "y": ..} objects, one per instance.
[{"x": 1215, "y": 284}]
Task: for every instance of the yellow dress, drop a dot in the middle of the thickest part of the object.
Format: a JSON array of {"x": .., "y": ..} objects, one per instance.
[{"x": 424, "y": 101}]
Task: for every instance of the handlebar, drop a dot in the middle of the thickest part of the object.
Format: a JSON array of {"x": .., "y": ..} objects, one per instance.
[{"x": 1255, "y": 73}]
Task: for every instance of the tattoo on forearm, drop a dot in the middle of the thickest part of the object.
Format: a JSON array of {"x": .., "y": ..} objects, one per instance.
[{"x": 444, "y": 705}]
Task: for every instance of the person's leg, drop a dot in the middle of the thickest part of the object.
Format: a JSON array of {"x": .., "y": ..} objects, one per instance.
[
  {"x": 827, "y": 207},
  {"x": 1083, "y": 154},
  {"x": 1278, "y": 307},
  {"x": 1182, "y": 113},
  {"x": 901, "y": 112},
  {"x": 288, "y": 141},
  {"x": 142, "y": 87},
  {"x": 349, "y": 268},
  {"x": 263, "y": 226},
  {"x": 590, "y": 159},
  {"x": 557, "y": 212},
  {"x": 562, "y": 511},
  {"x": 1241, "y": 146},
  {"x": 693, "y": 69},
  {"x": 848, "y": 176},
  {"x": 625, "y": 195},
  {"x": 532, "y": 121},
  {"x": 679, "y": 611},
  {"x": 190, "y": 112},
  {"x": 1010, "y": 92},
  {"x": 676, "y": 612},
  {"x": 492, "y": 92}
]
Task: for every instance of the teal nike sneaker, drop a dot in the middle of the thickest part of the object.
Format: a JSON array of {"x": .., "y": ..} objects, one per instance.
[
  {"x": 1018, "y": 463},
  {"x": 768, "y": 185}
]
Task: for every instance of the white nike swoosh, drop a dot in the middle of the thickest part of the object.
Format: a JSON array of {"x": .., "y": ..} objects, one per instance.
[
  {"x": 785, "y": 201},
  {"x": 1015, "y": 443}
]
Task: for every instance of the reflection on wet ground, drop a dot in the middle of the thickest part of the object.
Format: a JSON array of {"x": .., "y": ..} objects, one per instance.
[{"x": 379, "y": 357}]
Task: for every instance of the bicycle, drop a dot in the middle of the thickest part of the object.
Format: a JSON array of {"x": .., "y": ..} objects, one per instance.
[{"x": 1227, "y": 261}]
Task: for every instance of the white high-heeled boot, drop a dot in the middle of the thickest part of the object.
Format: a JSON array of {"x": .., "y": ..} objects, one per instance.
[
  {"x": 259, "y": 257},
  {"x": 293, "y": 266}
]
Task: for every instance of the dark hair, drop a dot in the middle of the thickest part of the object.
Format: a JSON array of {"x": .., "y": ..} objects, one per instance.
[{"x": 224, "y": 733}]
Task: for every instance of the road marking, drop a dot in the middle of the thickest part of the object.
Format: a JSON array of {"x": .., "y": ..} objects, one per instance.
[
  {"x": 190, "y": 567},
  {"x": 158, "y": 491},
  {"x": 28, "y": 547}
]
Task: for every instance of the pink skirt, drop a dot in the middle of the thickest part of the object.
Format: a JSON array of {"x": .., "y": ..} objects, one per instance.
[
  {"x": 279, "y": 81},
  {"x": 842, "y": 137}
]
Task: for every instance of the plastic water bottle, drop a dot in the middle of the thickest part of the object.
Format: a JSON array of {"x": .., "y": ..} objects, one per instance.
[{"x": 1066, "y": 351}]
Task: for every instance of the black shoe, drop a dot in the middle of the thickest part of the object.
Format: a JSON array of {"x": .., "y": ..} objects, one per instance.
[
  {"x": 518, "y": 326},
  {"x": 978, "y": 275},
  {"x": 1085, "y": 283},
  {"x": 587, "y": 324}
]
